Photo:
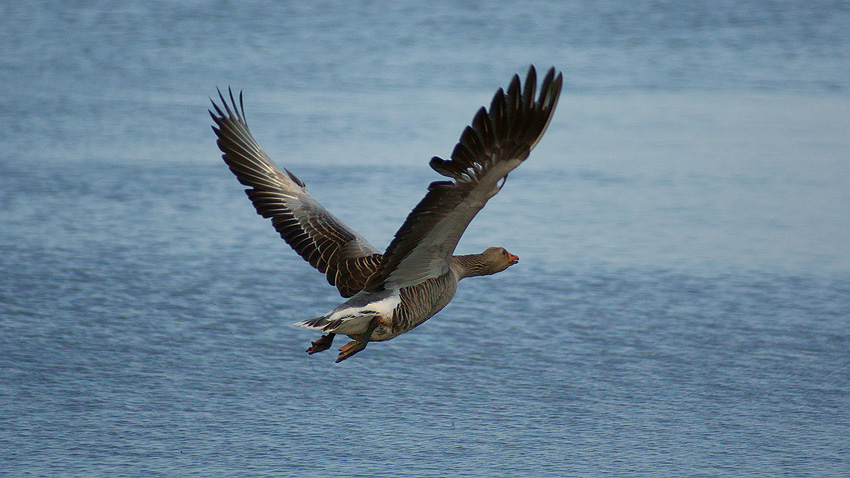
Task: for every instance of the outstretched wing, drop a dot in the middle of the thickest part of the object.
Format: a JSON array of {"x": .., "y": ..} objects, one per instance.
[
  {"x": 497, "y": 142},
  {"x": 330, "y": 246}
]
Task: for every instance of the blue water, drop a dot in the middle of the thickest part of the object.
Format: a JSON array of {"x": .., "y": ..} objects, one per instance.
[{"x": 682, "y": 304}]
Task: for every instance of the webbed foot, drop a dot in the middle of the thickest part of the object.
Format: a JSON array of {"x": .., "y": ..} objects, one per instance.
[
  {"x": 350, "y": 349},
  {"x": 323, "y": 343},
  {"x": 355, "y": 346}
]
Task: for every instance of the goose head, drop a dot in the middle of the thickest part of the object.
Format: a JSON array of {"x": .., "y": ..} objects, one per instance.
[{"x": 497, "y": 259}]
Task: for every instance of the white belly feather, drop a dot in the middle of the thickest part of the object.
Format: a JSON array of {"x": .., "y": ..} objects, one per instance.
[{"x": 352, "y": 317}]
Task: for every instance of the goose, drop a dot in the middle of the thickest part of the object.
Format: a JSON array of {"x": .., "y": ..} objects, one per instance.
[{"x": 392, "y": 292}]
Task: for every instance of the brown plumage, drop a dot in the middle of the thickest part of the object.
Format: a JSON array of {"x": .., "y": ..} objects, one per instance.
[
  {"x": 330, "y": 246},
  {"x": 417, "y": 275}
]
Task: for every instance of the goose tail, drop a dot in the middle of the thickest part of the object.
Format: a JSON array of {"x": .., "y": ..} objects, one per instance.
[{"x": 322, "y": 323}]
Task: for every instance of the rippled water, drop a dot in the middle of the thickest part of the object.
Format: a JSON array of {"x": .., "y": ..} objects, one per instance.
[{"x": 681, "y": 306}]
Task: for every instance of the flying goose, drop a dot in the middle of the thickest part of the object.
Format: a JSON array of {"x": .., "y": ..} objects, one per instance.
[{"x": 391, "y": 293}]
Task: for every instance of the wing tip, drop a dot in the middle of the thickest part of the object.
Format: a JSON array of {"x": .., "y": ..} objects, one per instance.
[
  {"x": 517, "y": 116},
  {"x": 232, "y": 110}
]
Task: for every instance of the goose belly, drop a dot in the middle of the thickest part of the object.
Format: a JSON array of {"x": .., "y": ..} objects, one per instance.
[{"x": 417, "y": 304}]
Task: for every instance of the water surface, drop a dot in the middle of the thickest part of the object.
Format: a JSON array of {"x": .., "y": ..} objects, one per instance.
[{"x": 681, "y": 305}]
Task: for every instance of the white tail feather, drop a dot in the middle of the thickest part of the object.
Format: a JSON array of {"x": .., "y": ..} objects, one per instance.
[{"x": 354, "y": 315}]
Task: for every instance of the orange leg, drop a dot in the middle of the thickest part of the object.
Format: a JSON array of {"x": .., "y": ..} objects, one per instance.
[
  {"x": 323, "y": 343},
  {"x": 355, "y": 346}
]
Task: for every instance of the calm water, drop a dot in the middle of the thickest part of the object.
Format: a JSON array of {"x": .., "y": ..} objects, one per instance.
[{"x": 682, "y": 305}]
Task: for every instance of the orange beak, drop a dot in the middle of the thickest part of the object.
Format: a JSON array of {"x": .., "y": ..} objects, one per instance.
[{"x": 513, "y": 259}]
